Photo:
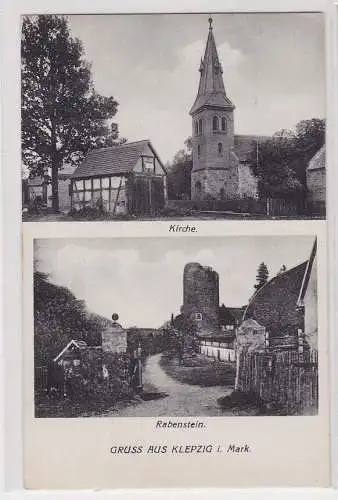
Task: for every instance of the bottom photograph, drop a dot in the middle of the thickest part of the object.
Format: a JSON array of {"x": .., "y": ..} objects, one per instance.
[{"x": 216, "y": 326}]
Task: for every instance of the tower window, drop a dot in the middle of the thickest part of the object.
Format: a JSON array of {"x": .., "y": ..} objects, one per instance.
[
  {"x": 199, "y": 150},
  {"x": 198, "y": 316},
  {"x": 220, "y": 149},
  {"x": 215, "y": 123},
  {"x": 224, "y": 124},
  {"x": 196, "y": 127},
  {"x": 200, "y": 126}
]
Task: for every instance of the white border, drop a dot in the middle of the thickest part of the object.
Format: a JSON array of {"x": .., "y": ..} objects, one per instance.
[{"x": 11, "y": 206}]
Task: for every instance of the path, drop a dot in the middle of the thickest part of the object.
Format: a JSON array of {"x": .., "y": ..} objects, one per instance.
[{"x": 182, "y": 399}]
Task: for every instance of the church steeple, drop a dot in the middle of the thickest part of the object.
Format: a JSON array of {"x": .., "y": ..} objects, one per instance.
[{"x": 211, "y": 91}]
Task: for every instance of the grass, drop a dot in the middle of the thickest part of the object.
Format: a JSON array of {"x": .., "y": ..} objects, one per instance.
[{"x": 202, "y": 371}]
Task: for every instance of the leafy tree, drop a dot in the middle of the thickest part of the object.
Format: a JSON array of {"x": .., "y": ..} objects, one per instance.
[
  {"x": 179, "y": 173},
  {"x": 262, "y": 276},
  {"x": 60, "y": 317},
  {"x": 62, "y": 114},
  {"x": 280, "y": 162}
]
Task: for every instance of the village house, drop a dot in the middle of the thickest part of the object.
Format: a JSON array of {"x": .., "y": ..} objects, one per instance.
[
  {"x": 316, "y": 183},
  {"x": 38, "y": 190},
  {"x": 307, "y": 300},
  {"x": 125, "y": 179},
  {"x": 221, "y": 169}
]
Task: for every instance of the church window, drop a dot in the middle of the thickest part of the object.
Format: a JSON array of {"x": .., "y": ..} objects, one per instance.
[
  {"x": 224, "y": 124},
  {"x": 196, "y": 127},
  {"x": 220, "y": 149},
  {"x": 200, "y": 126},
  {"x": 198, "y": 150},
  {"x": 215, "y": 123},
  {"x": 198, "y": 186},
  {"x": 222, "y": 192}
]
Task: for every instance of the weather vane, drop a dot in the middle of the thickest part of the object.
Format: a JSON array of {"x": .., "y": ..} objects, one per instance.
[{"x": 210, "y": 22}]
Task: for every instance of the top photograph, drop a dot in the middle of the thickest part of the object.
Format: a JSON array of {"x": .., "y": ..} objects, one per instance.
[{"x": 173, "y": 117}]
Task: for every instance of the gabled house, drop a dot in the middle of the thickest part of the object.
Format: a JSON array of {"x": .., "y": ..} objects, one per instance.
[
  {"x": 307, "y": 299},
  {"x": 316, "y": 183},
  {"x": 125, "y": 179}
]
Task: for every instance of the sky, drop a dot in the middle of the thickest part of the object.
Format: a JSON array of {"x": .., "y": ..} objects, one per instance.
[
  {"x": 273, "y": 70},
  {"x": 141, "y": 279}
]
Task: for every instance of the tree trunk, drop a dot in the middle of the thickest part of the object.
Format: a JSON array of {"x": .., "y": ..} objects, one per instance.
[
  {"x": 55, "y": 170},
  {"x": 55, "y": 186}
]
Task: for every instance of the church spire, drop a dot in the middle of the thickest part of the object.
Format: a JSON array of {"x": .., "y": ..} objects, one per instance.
[{"x": 211, "y": 89}]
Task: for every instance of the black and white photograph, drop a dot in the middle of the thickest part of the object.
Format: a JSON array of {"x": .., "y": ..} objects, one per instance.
[
  {"x": 145, "y": 327},
  {"x": 173, "y": 116}
]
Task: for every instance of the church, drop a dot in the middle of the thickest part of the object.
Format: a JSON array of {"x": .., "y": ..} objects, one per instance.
[{"x": 221, "y": 169}]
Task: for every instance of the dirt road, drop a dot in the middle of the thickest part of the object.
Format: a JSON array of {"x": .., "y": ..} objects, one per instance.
[{"x": 180, "y": 400}]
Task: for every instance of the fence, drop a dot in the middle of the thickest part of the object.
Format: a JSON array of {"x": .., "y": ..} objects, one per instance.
[
  {"x": 271, "y": 207},
  {"x": 41, "y": 378},
  {"x": 286, "y": 378}
]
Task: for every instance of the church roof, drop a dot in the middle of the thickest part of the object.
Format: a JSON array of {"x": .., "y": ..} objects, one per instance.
[
  {"x": 112, "y": 161},
  {"x": 211, "y": 91},
  {"x": 243, "y": 144}
]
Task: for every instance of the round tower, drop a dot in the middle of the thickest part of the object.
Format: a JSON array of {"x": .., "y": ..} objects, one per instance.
[{"x": 201, "y": 297}]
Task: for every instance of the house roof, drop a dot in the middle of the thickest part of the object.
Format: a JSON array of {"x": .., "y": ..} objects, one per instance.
[
  {"x": 79, "y": 344},
  {"x": 275, "y": 303},
  {"x": 318, "y": 160},
  {"x": 243, "y": 144},
  {"x": 307, "y": 274},
  {"x": 114, "y": 160},
  {"x": 227, "y": 314}
]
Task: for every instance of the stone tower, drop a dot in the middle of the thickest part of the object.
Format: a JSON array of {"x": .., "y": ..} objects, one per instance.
[
  {"x": 201, "y": 297},
  {"x": 212, "y": 131}
]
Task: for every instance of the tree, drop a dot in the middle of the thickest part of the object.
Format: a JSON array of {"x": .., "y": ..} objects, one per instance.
[
  {"x": 280, "y": 162},
  {"x": 262, "y": 276},
  {"x": 179, "y": 173},
  {"x": 62, "y": 114}
]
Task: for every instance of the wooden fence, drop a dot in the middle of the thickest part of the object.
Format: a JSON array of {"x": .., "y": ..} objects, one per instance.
[
  {"x": 287, "y": 379},
  {"x": 270, "y": 207}
]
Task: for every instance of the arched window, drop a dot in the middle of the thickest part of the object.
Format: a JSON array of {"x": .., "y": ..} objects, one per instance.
[
  {"x": 200, "y": 126},
  {"x": 220, "y": 149},
  {"x": 198, "y": 150},
  {"x": 224, "y": 124},
  {"x": 215, "y": 123},
  {"x": 196, "y": 127}
]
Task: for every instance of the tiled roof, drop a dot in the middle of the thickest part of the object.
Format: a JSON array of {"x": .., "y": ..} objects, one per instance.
[
  {"x": 36, "y": 181},
  {"x": 243, "y": 144},
  {"x": 109, "y": 161},
  {"x": 274, "y": 305},
  {"x": 318, "y": 160}
]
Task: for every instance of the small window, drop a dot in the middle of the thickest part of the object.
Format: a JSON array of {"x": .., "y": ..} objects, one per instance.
[
  {"x": 198, "y": 316},
  {"x": 196, "y": 127},
  {"x": 198, "y": 150},
  {"x": 76, "y": 362},
  {"x": 198, "y": 186},
  {"x": 224, "y": 124},
  {"x": 220, "y": 149},
  {"x": 200, "y": 126},
  {"x": 79, "y": 185},
  {"x": 105, "y": 182},
  {"x": 215, "y": 123},
  {"x": 88, "y": 184},
  {"x": 88, "y": 196}
]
